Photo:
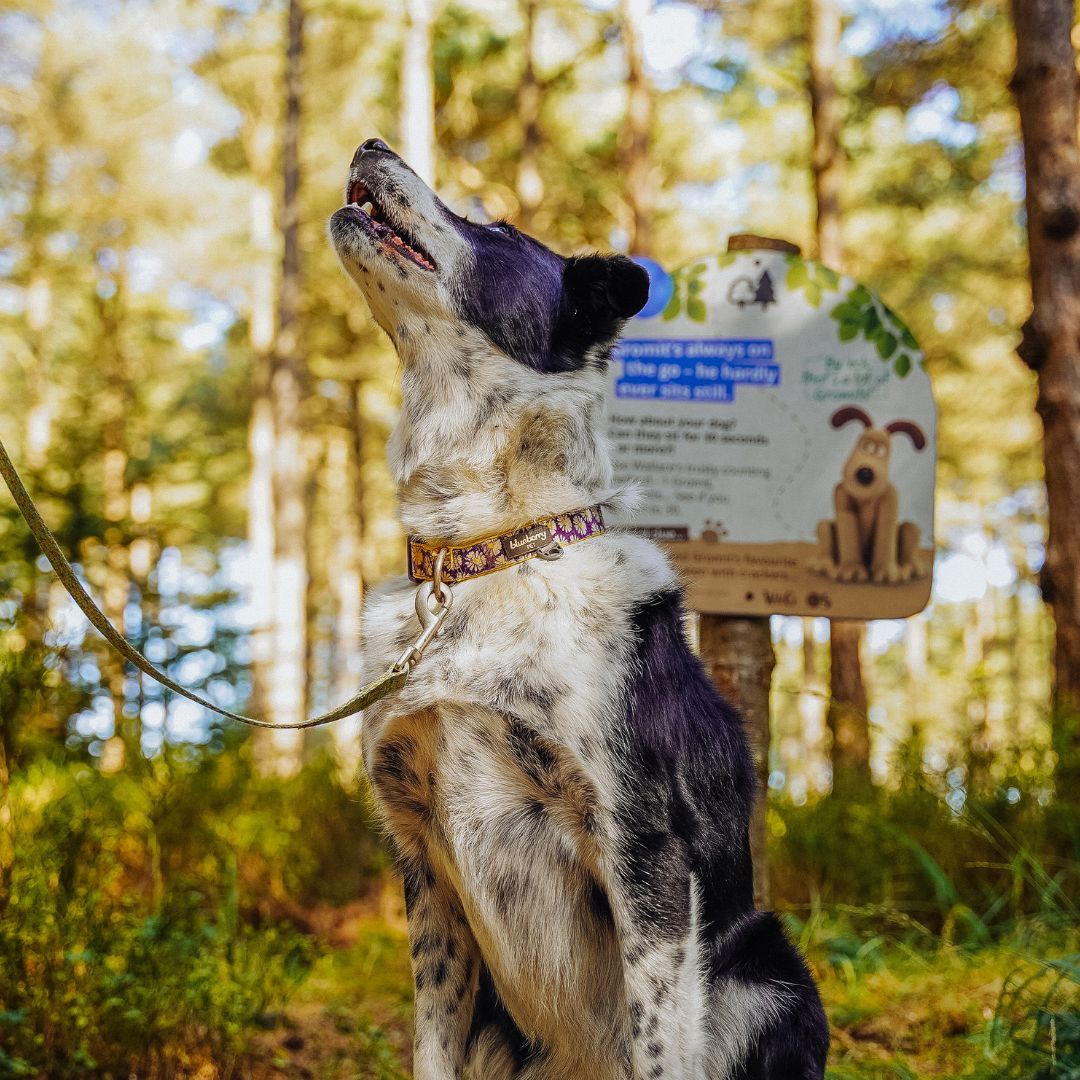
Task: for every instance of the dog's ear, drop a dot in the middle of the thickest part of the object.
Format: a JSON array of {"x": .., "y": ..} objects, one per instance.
[
  {"x": 910, "y": 429},
  {"x": 846, "y": 413},
  {"x": 599, "y": 293}
]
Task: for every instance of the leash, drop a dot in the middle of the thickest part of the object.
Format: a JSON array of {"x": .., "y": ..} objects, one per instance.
[
  {"x": 432, "y": 567},
  {"x": 433, "y": 601}
]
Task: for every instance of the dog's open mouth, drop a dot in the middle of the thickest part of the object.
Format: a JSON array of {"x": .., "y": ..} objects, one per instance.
[{"x": 393, "y": 240}]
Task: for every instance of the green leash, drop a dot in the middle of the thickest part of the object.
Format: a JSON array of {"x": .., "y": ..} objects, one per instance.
[{"x": 391, "y": 680}]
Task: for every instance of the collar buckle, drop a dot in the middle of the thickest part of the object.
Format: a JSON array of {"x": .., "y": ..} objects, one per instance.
[{"x": 551, "y": 551}]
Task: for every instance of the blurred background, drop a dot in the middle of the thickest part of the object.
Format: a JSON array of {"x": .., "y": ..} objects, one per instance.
[{"x": 200, "y": 402}]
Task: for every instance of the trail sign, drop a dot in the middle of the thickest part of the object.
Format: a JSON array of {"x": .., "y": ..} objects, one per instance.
[{"x": 781, "y": 423}]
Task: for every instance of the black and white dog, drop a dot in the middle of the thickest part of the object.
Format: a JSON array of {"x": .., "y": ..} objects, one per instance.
[{"x": 567, "y": 794}]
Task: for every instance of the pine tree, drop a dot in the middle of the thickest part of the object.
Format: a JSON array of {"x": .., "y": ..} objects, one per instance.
[{"x": 1045, "y": 85}]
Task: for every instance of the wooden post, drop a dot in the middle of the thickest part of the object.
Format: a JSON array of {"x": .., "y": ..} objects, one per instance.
[
  {"x": 1048, "y": 100},
  {"x": 737, "y": 652}
]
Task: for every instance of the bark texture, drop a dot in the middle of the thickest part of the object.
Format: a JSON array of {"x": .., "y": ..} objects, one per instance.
[
  {"x": 260, "y": 441},
  {"x": 848, "y": 706},
  {"x": 281, "y": 750},
  {"x": 738, "y": 655},
  {"x": 347, "y": 581},
  {"x": 529, "y": 183},
  {"x": 1045, "y": 85},
  {"x": 825, "y": 108},
  {"x": 847, "y": 716},
  {"x": 635, "y": 136}
]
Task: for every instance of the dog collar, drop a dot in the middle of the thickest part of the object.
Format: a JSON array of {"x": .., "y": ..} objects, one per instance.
[{"x": 544, "y": 538}]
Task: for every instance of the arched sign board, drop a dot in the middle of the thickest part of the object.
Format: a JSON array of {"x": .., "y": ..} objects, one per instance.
[{"x": 780, "y": 423}]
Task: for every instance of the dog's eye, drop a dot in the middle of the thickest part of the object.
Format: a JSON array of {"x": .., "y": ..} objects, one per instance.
[{"x": 497, "y": 228}]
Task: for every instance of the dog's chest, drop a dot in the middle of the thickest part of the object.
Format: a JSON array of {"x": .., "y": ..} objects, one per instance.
[{"x": 507, "y": 819}]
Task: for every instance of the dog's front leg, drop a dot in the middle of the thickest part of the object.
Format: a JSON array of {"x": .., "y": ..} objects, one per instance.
[
  {"x": 654, "y": 902},
  {"x": 885, "y": 565},
  {"x": 445, "y": 963}
]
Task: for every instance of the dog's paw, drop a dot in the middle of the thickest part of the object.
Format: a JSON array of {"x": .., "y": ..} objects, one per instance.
[
  {"x": 918, "y": 568},
  {"x": 890, "y": 574},
  {"x": 852, "y": 573}
]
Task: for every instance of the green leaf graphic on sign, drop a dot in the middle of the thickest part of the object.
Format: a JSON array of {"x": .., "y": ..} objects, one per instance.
[
  {"x": 886, "y": 344},
  {"x": 687, "y": 286},
  {"x": 811, "y": 278},
  {"x": 860, "y": 314}
]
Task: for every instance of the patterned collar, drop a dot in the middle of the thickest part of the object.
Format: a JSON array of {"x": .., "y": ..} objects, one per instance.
[{"x": 544, "y": 538}]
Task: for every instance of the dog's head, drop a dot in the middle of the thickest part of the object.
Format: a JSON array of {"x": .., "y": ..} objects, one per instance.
[
  {"x": 410, "y": 254},
  {"x": 866, "y": 471}
]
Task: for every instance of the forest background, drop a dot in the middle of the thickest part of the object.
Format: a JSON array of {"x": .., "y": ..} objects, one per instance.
[{"x": 201, "y": 402}]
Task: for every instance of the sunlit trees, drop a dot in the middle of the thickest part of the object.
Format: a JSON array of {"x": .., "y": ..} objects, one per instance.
[
  {"x": 848, "y": 706},
  {"x": 1045, "y": 84},
  {"x": 143, "y": 254}
]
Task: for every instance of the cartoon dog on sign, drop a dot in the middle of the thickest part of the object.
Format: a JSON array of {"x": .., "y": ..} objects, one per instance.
[{"x": 867, "y": 541}]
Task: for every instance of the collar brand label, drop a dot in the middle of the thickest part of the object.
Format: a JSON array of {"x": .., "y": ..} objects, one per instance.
[{"x": 526, "y": 541}]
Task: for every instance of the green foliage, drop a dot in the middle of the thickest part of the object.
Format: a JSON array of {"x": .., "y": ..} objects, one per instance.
[
  {"x": 964, "y": 878},
  {"x": 1035, "y": 1033},
  {"x": 814, "y": 279},
  {"x": 688, "y": 284},
  {"x": 143, "y": 922},
  {"x": 860, "y": 314},
  {"x": 943, "y": 941}
]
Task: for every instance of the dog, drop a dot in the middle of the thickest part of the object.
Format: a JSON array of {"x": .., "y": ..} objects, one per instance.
[
  {"x": 567, "y": 795},
  {"x": 867, "y": 541}
]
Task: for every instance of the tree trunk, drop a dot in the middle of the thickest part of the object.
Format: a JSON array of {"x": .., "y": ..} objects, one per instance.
[
  {"x": 288, "y": 689},
  {"x": 1045, "y": 85},
  {"x": 347, "y": 583},
  {"x": 114, "y": 408},
  {"x": 847, "y": 715},
  {"x": 260, "y": 489},
  {"x": 812, "y": 704},
  {"x": 826, "y": 111},
  {"x": 530, "y": 184},
  {"x": 917, "y": 681},
  {"x": 848, "y": 718},
  {"x": 636, "y": 129},
  {"x": 418, "y": 91},
  {"x": 739, "y": 656}
]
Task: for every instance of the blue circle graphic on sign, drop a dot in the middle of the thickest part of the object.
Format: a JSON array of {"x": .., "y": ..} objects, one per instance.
[{"x": 660, "y": 287}]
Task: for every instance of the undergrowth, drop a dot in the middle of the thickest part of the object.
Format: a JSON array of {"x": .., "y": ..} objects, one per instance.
[
  {"x": 946, "y": 943},
  {"x": 152, "y": 920},
  {"x": 165, "y": 920}
]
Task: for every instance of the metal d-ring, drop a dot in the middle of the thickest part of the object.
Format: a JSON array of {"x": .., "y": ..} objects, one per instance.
[
  {"x": 551, "y": 551},
  {"x": 436, "y": 577}
]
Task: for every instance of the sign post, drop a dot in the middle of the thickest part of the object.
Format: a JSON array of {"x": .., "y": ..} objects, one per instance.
[{"x": 781, "y": 424}]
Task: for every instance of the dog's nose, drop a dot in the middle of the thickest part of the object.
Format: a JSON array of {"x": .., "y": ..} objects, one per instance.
[
  {"x": 865, "y": 476},
  {"x": 372, "y": 145}
]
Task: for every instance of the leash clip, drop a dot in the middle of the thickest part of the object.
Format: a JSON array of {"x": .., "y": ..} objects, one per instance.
[{"x": 432, "y": 614}]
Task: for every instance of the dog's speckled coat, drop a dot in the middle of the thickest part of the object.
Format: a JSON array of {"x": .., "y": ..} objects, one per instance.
[{"x": 567, "y": 795}]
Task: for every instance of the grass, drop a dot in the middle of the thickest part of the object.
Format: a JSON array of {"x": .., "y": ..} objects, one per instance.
[
  {"x": 352, "y": 1019},
  {"x": 899, "y": 1010},
  {"x": 198, "y": 921}
]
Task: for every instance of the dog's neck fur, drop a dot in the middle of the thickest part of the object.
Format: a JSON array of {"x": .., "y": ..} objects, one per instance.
[{"x": 483, "y": 444}]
